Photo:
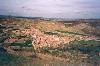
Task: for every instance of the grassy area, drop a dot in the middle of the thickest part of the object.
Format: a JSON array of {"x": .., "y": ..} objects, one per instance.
[
  {"x": 71, "y": 56},
  {"x": 54, "y": 52},
  {"x": 86, "y": 46},
  {"x": 89, "y": 47},
  {"x": 66, "y": 32},
  {"x": 17, "y": 36},
  {"x": 6, "y": 59},
  {"x": 26, "y": 44},
  {"x": 51, "y": 33}
]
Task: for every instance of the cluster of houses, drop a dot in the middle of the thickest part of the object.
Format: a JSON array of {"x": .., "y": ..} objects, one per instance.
[{"x": 40, "y": 40}]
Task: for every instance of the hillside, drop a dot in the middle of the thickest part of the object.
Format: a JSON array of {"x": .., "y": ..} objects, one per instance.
[{"x": 57, "y": 39}]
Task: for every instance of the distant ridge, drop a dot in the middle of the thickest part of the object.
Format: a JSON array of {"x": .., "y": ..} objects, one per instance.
[
  {"x": 9, "y": 16},
  {"x": 55, "y": 19}
]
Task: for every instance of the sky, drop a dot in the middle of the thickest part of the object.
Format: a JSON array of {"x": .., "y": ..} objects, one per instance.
[{"x": 51, "y": 8}]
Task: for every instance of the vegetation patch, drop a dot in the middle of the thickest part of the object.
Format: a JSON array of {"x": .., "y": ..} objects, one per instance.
[
  {"x": 76, "y": 49},
  {"x": 66, "y": 32},
  {"x": 6, "y": 59},
  {"x": 51, "y": 33},
  {"x": 71, "y": 56},
  {"x": 86, "y": 46},
  {"x": 54, "y": 52},
  {"x": 17, "y": 36},
  {"x": 26, "y": 44}
]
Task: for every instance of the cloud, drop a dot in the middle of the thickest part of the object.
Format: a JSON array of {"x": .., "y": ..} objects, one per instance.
[{"x": 52, "y": 8}]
